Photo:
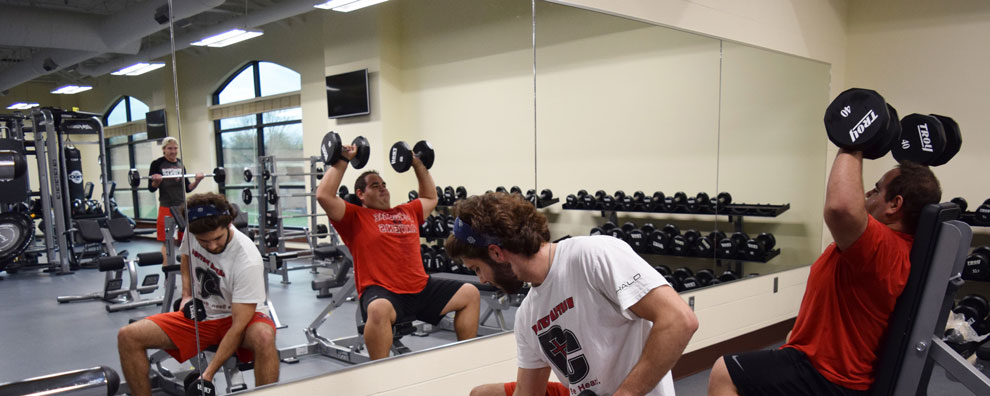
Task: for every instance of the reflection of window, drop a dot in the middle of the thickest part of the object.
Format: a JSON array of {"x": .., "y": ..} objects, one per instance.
[
  {"x": 240, "y": 140},
  {"x": 126, "y": 152}
]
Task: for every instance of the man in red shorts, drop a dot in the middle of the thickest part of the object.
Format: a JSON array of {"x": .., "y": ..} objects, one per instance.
[
  {"x": 388, "y": 269},
  {"x": 230, "y": 282},
  {"x": 851, "y": 291}
]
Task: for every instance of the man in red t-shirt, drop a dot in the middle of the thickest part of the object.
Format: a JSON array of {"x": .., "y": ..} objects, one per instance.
[
  {"x": 388, "y": 269},
  {"x": 851, "y": 291}
]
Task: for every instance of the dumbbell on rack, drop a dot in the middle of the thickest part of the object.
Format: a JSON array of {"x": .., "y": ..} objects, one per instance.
[
  {"x": 757, "y": 248},
  {"x": 977, "y": 267},
  {"x": 974, "y": 308}
]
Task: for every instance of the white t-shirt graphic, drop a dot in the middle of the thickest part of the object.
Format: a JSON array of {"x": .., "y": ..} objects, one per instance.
[
  {"x": 578, "y": 321},
  {"x": 236, "y": 275}
]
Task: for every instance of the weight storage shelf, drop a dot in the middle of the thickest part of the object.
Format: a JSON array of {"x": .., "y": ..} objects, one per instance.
[
  {"x": 741, "y": 209},
  {"x": 540, "y": 203},
  {"x": 766, "y": 257}
]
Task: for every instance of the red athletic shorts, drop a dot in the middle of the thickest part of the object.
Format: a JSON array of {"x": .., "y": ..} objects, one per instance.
[
  {"x": 163, "y": 212},
  {"x": 183, "y": 333},
  {"x": 553, "y": 389}
]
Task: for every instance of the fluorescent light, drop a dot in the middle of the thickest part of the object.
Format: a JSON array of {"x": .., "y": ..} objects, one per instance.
[
  {"x": 357, "y": 4},
  {"x": 71, "y": 89},
  {"x": 228, "y": 38},
  {"x": 347, "y": 5},
  {"x": 21, "y": 106},
  {"x": 333, "y": 4},
  {"x": 138, "y": 69}
]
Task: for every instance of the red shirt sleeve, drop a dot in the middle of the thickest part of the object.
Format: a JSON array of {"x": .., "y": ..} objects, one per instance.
[
  {"x": 879, "y": 252},
  {"x": 415, "y": 209},
  {"x": 345, "y": 227}
]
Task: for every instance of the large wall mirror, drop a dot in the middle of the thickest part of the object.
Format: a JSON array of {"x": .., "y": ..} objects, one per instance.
[{"x": 521, "y": 93}]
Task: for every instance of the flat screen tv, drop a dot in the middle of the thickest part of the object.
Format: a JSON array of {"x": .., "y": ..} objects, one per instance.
[
  {"x": 347, "y": 94},
  {"x": 156, "y": 127}
]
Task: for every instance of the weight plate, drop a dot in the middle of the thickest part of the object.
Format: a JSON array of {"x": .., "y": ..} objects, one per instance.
[
  {"x": 16, "y": 234},
  {"x": 330, "y": 148},
  {"x": 400, "y": 157},
  {"x": 363, "y": 152}
]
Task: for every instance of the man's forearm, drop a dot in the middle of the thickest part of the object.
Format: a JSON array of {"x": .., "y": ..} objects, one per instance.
[
  {"x": 427, "y": 187},
  {"x": 331, "y": 181},
  {"x": 845, "y": 181},
  {"x": 228, "y": 345},
  {"x": 663, "y": 348}
]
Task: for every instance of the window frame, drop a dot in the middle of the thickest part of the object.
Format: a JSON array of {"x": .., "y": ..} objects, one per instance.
[
  {"x": 259, "y": 128},
  {"x": 131, "y": 157}
]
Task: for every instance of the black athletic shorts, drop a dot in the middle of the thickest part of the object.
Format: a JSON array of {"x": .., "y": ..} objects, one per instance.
[
  {"x": 425, "y": 305},
  {"x": 784, "y": 372}
]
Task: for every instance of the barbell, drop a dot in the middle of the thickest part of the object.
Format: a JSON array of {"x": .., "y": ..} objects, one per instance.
[
  {"x": 270, "y": 194},
  {"x": 265, "y": 174},
  {"x": 134, "y": 177}
]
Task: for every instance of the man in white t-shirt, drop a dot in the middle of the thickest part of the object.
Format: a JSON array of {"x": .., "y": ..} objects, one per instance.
[
  {"x": 597, "y": 315},
  {"x": 229, "y": 282}
]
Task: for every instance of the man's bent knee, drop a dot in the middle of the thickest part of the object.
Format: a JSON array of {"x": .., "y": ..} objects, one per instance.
[
  {"x": 259, "y": 336},
  {"x": 489, "y": 390},
  {"x": 381, "y": 311}
]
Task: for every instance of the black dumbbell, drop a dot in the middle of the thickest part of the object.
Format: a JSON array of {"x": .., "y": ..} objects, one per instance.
[
  {"x": 605, "y": 201},
  {"x": 515, "y": 190},
  {"x": 658, "y": 242},
  {"x": 440, "y": 229},
  {"x": 441, "y": 261},
  {"x": 570, "y": 202},
  {"x": 400, "y": 155},
  {"x": 608, "y": 226},
  {"x": 413, "y": 194},
  {"x": 982, "y": 215},
  {"x": 617, "y": 233},
  {"x": 663, "y": 269},
  {"x": 671, "y": 230},
  {"x": 974, "y": 307},
  {"x": 449, "y": 195},
  {"x": 722, "y": 200},
  {"x": 648, "y": 229},
  {"x": 681, "y": 273},
  {"x": 690, "y": 283},
  {"x": 698, "y": 203},
  {"x": 194, "y": 310},
  {"x": 546, "y": 194},
  {"x": 977, "y": 266},
  {"x": 501, "y": 189},
  {"x": 669, "y": 204},
  {"x": 636, "y": 239},
  {"x": 596, "y": 231},
  {"x": 619, "y": 196},
  {"x": 961, "y": 202},
  {"x": 460, "y": 193},
  {"x": 705, "y": 277},
  {"x": 588, "y": 201},
  {"x": 424, "y": 229},
  {"x": 739, "y": 240},
  {"x": 727, "y": 276},
  {"x": 725, "y": 248},
  {"x": 704, "y": 247},
  {"x": 196, "y": 386},
  {"x": 716, "y": 236},
  {"x": 758, "y": 247},
  {"x": 656, "y": 202},
  {"x": 679, "y": 245}
]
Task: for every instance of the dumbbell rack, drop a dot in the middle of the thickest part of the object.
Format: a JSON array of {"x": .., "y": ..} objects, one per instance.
[
  {"x": 273, "y": 218},
  {"x": 735, "y": 211},
  {"x": 445, "y": 209}
]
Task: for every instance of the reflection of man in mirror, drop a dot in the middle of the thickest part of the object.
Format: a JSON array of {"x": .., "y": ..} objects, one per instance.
[
  {"x": 851, "y": 292},
  {"x": 170, "y": 189},
  {"x": 597, "y": 314},
  {"x": 230, "y": 281},
  {"x": 392, "y": 284}
]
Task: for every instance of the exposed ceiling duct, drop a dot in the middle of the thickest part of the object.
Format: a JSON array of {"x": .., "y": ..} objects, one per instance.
[
  {"x": 77, "y": 37},
  {"x": 274, "y": 13}
]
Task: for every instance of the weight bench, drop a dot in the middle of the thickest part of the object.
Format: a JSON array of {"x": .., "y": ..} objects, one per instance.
[
  {"x": 113, "y": 292},
  {"x": 913, "y": 343},
  {"x": 345, "y": 349}
]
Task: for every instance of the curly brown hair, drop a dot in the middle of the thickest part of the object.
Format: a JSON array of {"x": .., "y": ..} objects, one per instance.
[
  {"x": 509, "y": 218},
  {"x": 207, "y": 224}
]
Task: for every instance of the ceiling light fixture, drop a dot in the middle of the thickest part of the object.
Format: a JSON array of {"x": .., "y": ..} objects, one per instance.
[
  {"x": 21, "y": 106},
  {"x": 228, "y": 38},
  {"x": 71, "y": 89},
  {"x": 138, "y": 69},
  {"x": 347, "y": 5}
]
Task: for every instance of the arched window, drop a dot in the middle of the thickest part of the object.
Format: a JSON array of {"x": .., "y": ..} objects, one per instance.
[
  {"x": 242, "y": 139},
  {"x": 122, "y": 152}
]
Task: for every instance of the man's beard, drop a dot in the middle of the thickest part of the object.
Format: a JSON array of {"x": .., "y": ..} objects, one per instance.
[{"x": 503, "y": 277}]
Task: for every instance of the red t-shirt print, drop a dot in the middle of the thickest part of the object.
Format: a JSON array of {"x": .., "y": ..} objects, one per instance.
[
  {"x": 385, "y": 246},
  {"x": 849, "y": 298}
]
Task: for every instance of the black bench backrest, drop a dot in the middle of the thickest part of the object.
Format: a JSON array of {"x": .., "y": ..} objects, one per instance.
[
  {"x": 897, "y": 338},
  {"x": 89, "y": 230},
  {"x": 120, "y": 229}
]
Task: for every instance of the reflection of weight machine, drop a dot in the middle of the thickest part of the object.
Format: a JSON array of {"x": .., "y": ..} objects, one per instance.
[
  {"x": 272, "y": 232},
  {"x": 51, "y": 129}
]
